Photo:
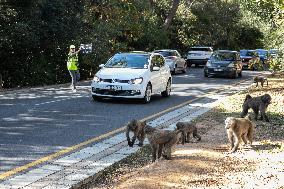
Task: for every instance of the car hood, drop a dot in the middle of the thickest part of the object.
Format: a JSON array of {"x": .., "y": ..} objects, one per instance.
[
  {"x": 246, "y": 57},
  {"x": 121, "y": 73},
  {"x": 221, "y": 63}
]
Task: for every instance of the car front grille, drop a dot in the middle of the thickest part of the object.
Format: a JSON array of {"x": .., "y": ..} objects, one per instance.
[
  {"x": 116, "y": 92},
  {"x": 114, "y": 81}
]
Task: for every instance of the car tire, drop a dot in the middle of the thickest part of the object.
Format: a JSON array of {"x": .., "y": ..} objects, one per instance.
[
  {"x": 240, "y": 74},
  {"x": 147, "y": 95},
  {"x": 188, "y": 64},
  {"x": 168, "y": 90},
  {"x": 235, "y": 75},
  {"x": 205, "y": 75},
  {"x": 184, "y": 68},
  {"x": 96, "y": 98}
]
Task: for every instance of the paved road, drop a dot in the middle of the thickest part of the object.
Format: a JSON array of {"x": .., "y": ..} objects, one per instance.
[{"x": 40, "y": 121}]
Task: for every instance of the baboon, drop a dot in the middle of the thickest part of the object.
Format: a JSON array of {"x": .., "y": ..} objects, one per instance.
[
  {"x": 239, "y": 129},
  {"x": 161, "y": 141},
  {"x": 187, "y": 128},
  {"x": 260, "y": 79},
  {"x": 257, "y": 104},
  {"x": 137, "y": 127}
]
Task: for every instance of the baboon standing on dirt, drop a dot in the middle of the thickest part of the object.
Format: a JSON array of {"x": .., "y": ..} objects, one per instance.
[
  {"x": 260, "y": 79},
  {"x": 187, "y": 128},
  {"x": 161, "y": 141},
  {"x": 239, "y": 129},
  {"x": 137, "y": 127},
  {"x": 257, "y": 104}
]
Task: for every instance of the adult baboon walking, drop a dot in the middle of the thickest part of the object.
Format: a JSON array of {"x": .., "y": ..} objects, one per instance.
[
  {"x": 257, "y": 104},
  {"x": 188, "y": 128},
  {"x": 239, "y": 129},
  {"x": 137, "y": 127},
  {"x": 260, "y": 79},
  {"x": 161, "y": 141}
]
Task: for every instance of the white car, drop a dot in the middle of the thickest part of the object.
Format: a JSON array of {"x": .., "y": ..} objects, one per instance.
[
  {"x": 173, "y": 60},
  {"x": 132, "y": 75},
  {"x": 198, "y": 55}
]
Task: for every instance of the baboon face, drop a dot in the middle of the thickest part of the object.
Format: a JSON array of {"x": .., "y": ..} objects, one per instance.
[
  {"x": 229, "y": 122},
  {"x": 266, "y": 98}
]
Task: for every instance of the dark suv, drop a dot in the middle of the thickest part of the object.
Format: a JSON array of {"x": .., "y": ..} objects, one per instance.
[{"x": 224, "y": 63}]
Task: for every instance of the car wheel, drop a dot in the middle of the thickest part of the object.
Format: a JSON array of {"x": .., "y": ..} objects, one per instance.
[
  {"x": 96, "y": 98},
  {"x": 168, "y": 90},
  {"x": 240, "y": 74},
  {"x": 235, "y": 75},
  {"x": 147, "y": 96},
  {"x": 184, "y": 68},
  {"x": 205, "y": 75},
  {"x": 188, "y": 64}
]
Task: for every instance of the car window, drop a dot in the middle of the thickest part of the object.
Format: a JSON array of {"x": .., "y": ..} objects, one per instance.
[
  {"x": 135, "y": 61},
  {"x": 223, "y": 56},
  {"x": 200, "y": 49},
  {"x": 157, "y": 61}
]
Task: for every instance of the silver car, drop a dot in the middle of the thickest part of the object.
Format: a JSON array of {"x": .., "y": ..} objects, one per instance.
[{"x": 173, "y": 60}]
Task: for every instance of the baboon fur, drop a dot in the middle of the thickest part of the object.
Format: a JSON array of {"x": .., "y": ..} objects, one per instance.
[
  {"x": 137, "y": 127},
  {"x": 260, "y": 79},
  {"x": 161, "y": 141},
  {"x": 257, "y": 104},
  {"x": 239, "y": 129},
  {"x": 187, "y": 128}
]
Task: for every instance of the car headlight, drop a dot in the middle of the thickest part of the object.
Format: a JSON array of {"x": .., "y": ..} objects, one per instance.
[
  {"x": 136, "y": 81},
  {"x": 208, "y": 64},
  {"x": 231, "y": 65},
  {"x": 96, "y": 79}
]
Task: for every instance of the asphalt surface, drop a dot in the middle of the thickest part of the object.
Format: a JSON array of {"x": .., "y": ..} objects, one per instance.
[{"x": 39, "y": 121}]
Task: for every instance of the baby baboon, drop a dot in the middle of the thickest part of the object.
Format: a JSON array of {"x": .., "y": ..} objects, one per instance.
[
  {"x": 239, "y": 129},
  {"x": 161, "y": 141},
  {"x": 260, "y": 79},
  {"x": 257, "y": 104},
  {"x": 187, "y": 128},
  {"x": 137, "y": 127}
]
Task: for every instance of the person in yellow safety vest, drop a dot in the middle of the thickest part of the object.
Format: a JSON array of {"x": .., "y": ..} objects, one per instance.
[{"x": 72, "y": 66}]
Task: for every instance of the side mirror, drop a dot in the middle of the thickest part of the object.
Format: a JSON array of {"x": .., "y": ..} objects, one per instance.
[
  {"x": 156, "y": 68},
  {"x": 101, "y": 65}
]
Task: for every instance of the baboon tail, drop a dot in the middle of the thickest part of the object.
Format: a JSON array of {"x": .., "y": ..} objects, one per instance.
[{"x": 247, "y": 97}]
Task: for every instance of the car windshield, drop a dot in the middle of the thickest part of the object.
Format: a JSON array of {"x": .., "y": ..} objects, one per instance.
[
  {"x": 246, "y": 53},
  {"x": 223, "y": 56},
  {"x": 262, "y": 52},
  {"x": 135, "y": 61},
  {"x": 200, "y": 49},
  {"x": 166, "y": 53}
]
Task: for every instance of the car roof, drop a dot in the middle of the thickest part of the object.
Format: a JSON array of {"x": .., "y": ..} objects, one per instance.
[
  {"x": 248, "y": 50},
  {"x": 164, "y": 50},
  {"x": 135, "y": 52},
  {"x": 226, "y": 51}
]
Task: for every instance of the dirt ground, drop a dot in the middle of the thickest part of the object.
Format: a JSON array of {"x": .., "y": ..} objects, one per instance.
[{"x": 207, "y": 164}]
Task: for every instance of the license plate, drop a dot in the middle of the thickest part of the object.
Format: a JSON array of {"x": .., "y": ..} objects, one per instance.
[
  {"x": 114, "y": 87},
  {"x": 218, "y": 70}
]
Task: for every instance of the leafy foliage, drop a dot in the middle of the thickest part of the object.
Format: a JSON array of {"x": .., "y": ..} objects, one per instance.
[{"x": 35, "y": 35}]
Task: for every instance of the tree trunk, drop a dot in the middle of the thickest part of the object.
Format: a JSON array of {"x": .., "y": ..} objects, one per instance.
[{"x": 171, "y": 15}]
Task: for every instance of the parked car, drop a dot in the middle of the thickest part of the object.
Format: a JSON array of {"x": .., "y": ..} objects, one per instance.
[
  {"x": 250, "y": 59},
  {"x": 224, "y": 63},
  {"x": 132, "y": 75},
  {"x": 264, "y": 55},
  {"x": 198, "y": 55},
  {"x": 173, "y": 60},
  {"x": 274, "y": 53}
]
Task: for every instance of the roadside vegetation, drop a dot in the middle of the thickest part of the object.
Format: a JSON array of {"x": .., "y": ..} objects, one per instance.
[
  {"x": 207, "y": 164},
  {"x": 35, "y": 35}
]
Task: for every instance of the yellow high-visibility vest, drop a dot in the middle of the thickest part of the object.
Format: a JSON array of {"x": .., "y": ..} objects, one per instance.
[{"x": 72, "y": 62}]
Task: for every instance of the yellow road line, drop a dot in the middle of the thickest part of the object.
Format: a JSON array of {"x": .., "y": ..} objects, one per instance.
[{"x": 80, "y": 145}]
